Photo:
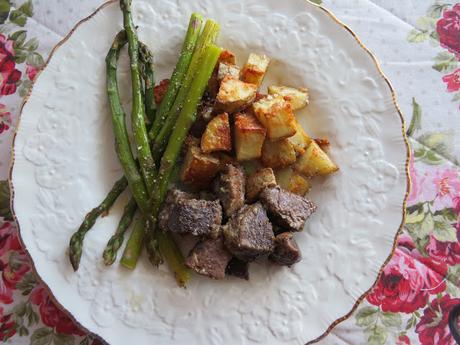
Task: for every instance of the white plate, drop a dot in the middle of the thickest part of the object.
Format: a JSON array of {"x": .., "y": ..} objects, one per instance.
[{"x": 65, "y": 164}]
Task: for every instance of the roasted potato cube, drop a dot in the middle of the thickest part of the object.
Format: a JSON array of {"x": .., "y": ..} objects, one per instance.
[
  {"x": 315, "y": 162},
  {"x": 225, "y": 69},
  {"x": 276, "y": 116},
  {"x": 255, "y": 68},
  {"x": 292, "y": 181},
  {"x": 235, "y": 95},
  {"x": 300, "y": 140},
  {"x": 249, "y": 137},
  {"x": 257, "y": 181},
  {"x": 217, "y": 135},
  {"x": 199, "y": 169},
  {"x": 276, "y": 154},
  {"x": 298, "y": 98},
  {"x": 227, "y": 57}
]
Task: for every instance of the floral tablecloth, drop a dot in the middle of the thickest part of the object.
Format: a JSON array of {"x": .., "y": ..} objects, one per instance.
[{"x": 418, "y": 44}]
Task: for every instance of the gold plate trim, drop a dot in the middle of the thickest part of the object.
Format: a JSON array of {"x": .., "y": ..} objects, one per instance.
[{"x": 403, "y": 128}]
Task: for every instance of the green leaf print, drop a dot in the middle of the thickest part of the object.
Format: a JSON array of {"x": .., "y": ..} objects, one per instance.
[
  {"x": 378, "y": 336},
  {"x": 391, "y": 319},
  {"x": 5, "y": 211},
  {"x": 444, "y": 232},
  {"x": 42, "y": 336},
  {"x": 5, "y": 7},
  {"x": 318, "y": 2},
  {"x": 416, "y": 121},
  {"x": 445, "y": 62},
  {"x": 366, "y": 316},
  {"x": 417, "y": 36},
  {"x": 435, "y": 10},
  {"x": 20, "y": 15},
  {"x": 453, "y": 274},
  {"x": 63, "y": 339}
]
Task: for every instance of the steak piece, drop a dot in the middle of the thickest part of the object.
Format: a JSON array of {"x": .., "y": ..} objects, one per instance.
[
  {"x": 286, "y": 250},
  {"x": 209, "y": 258},
  {"x": 183, "y": 214},
  {"x": 230, "y": 188},
  {"x": 288, "y": 210},
  {"x": 249, "y": 234},
  {"x": 238, "y": 268}
]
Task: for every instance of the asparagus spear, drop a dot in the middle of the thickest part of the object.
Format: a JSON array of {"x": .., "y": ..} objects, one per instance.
[
  {"x": 122, "y": 146},
  {"x": 208, "y": 36},
  {"x": 185, "y": 120},
  {"x": 141, "y": 139},
  {"x": 134, "y": 246},
  {"x": 115, "y": 242},
  {"x": 193, "y": 32},
  {"x": 76, "y": 241},
  {"x": 147, "y": 72}
]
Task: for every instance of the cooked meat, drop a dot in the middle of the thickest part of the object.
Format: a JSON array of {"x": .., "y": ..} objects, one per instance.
[
  {"x": 209, "y": 258},
  {"x": 159, "y": 91},
  {"x": 249, "y": 234},
  {"x": 287, "y": 209},
  {"x": 175, "y": 195},
  {"x": 230, "y": 187},
  {"x": 238, "y": 268},
  {"x": 184, "y": 215},
  {"x": 286, "y": 250}
]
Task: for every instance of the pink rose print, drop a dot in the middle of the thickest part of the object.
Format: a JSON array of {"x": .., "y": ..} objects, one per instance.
[
  {"x": 6, "y": 293},
  {"x": 403, "y": 340},
  {"x": 433, "y": 328},
  {"x": 415, "y": 183},
  {"x": 51, "y": 315},
  {"x": 5, "y": 119},
  {"x": 31, "y": 72},
  {"x": 445, "y": 187},
  {"x": 448, "y": 28},
  {"x": 448, "y": 252},
  {"x": 453, "y": 81},
  {"x": 8, "y": 238},
  {"x": 408, "y": 280},
  {"x": 9, "y": 75},
  {"x": 7, "y": 327}
]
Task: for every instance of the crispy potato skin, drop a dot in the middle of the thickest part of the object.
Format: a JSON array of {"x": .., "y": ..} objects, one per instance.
[
  {"x": 249, "y": 137},
  {"x": 276, "y": 116},
  {"x": 300, "y": 140},
  {"x": 217, "y": 136},
  {"x": 290, "y": 180},
  {"x": 199, "y": 169},
  {"x": 257, "y": 181},
  {"x": 297, "y": 97},
  {"x": 277, "y": 154},
  {"x": 227, "y": 57},
  {"x": 315, "y": 162},
  {"x": 255, "y": 68},
  {"x": 235, "y": 95}
]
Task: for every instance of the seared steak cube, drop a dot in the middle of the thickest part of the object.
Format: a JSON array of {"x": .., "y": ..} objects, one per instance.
[
  {"x": 287, "y": 209},
  {"x": 238, "y": 268},
  {"x": 209, "y": 258},
  {"x": 183, "y": 214},
  {"x": 230, "y": 188},
  {"x": 286, "y": 250},
  {"x": 249, "y": 234}
]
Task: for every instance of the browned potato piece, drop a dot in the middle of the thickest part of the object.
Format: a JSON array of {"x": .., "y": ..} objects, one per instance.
[
  {"x": 276, "y": 116},
  {"x": 277, "y": 154},
  {"x": 257, "y": 181},
  {"x": 315, "y": 162},
  {"x": 235, "y": 95},
  {"x": 298, "y": 98},
  {"x": 225, "y": 69},
  {"x": 249, "y": 137},
  {"x": 199, "y": 169},
  {"x": 292, "y": 181},
  {"x": 255, "y": 68},
  {"x": 217, "y": 135},
  {"x": 227, "y": 57},
  {"x": 300, "y": 140}
]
